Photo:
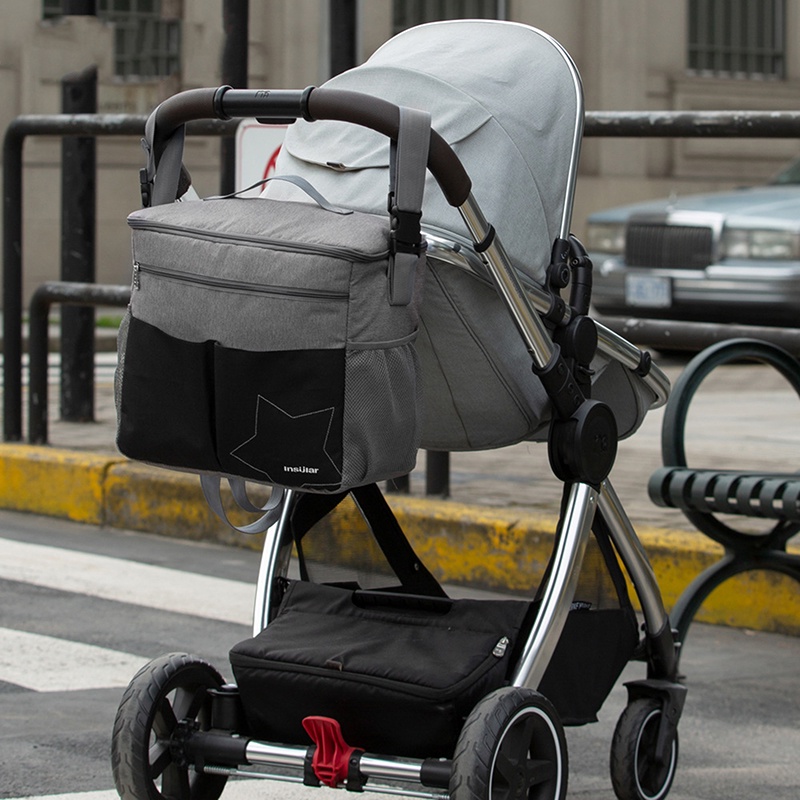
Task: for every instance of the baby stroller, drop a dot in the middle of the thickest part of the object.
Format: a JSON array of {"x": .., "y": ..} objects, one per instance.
[{"x": 364, "y": 672}]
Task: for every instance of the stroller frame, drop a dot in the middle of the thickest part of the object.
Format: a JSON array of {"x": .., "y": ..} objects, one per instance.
[{"x": 582, "y": 449}]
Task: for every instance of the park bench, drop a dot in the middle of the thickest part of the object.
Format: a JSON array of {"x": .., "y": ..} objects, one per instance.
[{"x": 704, "y": 494}]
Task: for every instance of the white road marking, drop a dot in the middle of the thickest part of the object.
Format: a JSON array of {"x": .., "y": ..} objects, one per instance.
[
  {"x": 48, "y": 664},
  {"x": 127, "y": 581},
  {"x": 256, "y": 789}
]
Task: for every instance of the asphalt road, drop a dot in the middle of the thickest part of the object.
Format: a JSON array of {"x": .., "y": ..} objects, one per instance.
[{"x": 81, "y": 608}]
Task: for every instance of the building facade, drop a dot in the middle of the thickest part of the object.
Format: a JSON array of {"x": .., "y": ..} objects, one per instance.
[{"x": 682, "y": 55}]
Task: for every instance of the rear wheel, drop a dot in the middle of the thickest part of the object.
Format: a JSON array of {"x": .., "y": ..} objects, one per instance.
[
  {"x": 145, "y": 759},
  {"x": 512, "y": 746},
  {"x": 635, "y": 772}
]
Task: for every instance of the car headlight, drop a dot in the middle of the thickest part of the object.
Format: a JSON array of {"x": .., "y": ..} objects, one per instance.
[
  {"x": 605, "y": 237},
  {"x": 760, "y": 244}
]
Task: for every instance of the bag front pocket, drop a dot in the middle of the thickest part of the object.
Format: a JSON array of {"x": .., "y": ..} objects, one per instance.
[
  {"x": 279, "y": 415},
  {"x": 166, "y": 400}
]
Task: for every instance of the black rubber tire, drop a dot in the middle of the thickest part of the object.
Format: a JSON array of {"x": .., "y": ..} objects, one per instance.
[
  {"x": 166, "y": 690},
  {"x": 512, "y": 745},
  {"x": 634, "y": 773}
]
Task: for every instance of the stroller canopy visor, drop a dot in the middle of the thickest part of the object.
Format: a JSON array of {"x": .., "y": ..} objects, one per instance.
[{"x": 505, "y": 96}]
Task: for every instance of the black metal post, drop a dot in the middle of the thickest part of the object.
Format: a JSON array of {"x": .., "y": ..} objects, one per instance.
[
  {"x": 12, "y": 283},
  {"x": 13, "y": 142},
  {"x": 437, "y": 473},
  {"x": 68, "y": 294},
  {"x": 78, "y": 228},
  {"x": 235, "y": 19},
  {"x": 343, "y": 27}
]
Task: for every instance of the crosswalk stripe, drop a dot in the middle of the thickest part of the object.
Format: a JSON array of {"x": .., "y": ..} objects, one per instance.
[
  {"x": 251, "y": 789},
  {"x": 47, "y": 664},
  {"x": 127, "y": 581}
]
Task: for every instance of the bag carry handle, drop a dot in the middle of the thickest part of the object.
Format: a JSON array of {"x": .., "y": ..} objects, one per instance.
[
  {"x": 285, "y": 106},
  {"x": 272, "y": 509},
  {"x": 407, "y": 166},
  {"x": 296, "y": 180}
]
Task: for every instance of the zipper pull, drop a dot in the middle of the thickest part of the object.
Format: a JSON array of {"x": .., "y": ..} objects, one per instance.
[
  {"x": 136, "y": 276},
  {"x": 501, "y": 647}
]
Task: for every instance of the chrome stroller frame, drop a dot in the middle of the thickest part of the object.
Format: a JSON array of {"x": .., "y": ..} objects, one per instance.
[{"x": 582, "y": 448}]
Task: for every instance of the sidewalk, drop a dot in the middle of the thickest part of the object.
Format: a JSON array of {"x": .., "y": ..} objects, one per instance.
[{"x": 498, "y": 521}]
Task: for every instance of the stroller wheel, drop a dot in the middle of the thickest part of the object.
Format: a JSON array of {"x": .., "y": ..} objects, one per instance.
[
  {"x": 635, "y": 773},
  {"x": 144, "y": 760},
  {"x": 511, "y": 746}
]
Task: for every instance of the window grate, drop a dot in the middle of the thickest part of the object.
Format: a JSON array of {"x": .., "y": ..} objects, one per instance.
[
  {"x": 408, "y": 13},
  {"x": 737, "y": 38},
  {"x": 146, "y": 45}
]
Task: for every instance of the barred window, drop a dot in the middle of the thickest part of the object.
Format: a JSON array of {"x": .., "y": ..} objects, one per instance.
[
  {"x": 737, "y": 38},
  {"x": 414, "y": 12},
  {"x": 146, "y": 44}
]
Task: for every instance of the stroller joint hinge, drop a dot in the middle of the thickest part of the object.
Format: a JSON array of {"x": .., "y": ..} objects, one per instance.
[{"x": 583, "y": 448}]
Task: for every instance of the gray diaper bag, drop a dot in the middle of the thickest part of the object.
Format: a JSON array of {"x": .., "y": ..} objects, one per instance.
[{"x": 273, "y": 341}]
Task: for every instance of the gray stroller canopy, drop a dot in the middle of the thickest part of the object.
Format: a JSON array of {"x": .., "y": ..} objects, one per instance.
[
  {"x": 508, "y": 100},
  {"x": 505, "y": 96}
]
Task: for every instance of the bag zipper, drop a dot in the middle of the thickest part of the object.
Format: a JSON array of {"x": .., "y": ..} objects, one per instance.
[
  {"x": 343, "y": 253},
  {"x": 224, "y": 283},
  {"x": 395, "y": 684}
]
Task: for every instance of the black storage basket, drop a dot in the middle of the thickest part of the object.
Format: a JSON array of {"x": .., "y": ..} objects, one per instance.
[{"x": 398, "y": 672}]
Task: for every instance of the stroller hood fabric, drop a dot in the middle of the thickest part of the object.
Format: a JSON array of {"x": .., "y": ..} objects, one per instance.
[
  {"x": 508, "y": 100},
  {"x": 502, "y": 95}
]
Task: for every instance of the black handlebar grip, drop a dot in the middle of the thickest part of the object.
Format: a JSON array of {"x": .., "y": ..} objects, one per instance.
[
  {"x": 384, "y": 117},
  {"x": 312, "y": 104},
  {"x": 185, "y": 107}
]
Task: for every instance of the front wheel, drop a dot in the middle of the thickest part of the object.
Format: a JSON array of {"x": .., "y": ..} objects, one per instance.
[
  {"x": 635, "y": 772},
  {"x": 512, "y": 746},
  {"x": 146, "y": 765}
]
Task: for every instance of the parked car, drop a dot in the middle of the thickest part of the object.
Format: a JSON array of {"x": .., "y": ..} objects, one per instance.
[{"x": 721, "y": 257}]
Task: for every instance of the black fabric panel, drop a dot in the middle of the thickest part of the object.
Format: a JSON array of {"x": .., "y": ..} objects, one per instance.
[
  {"x": 594, "y": 647},
  {"x": 373, "y": 718},
  {"x": 279, "y": 415},
  {"x": 400, "y": 673},
  {"x": 167, "y": 398}
]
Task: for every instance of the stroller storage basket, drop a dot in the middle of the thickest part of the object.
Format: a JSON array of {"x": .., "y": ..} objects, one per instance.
[
  {"x": 421, "y": 662},
  {"x": 365, "y": 658}
]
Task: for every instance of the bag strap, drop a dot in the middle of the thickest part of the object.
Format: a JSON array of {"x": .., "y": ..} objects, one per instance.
[
  {"x": 300, "y": 183},
  {"x": 271, "y": 511},
  {"x": 408, "y": 163},
  {"x": 406, "y": 565},
  {"x": 173, "y": 178},
  {"x": 394, "y": 545}
]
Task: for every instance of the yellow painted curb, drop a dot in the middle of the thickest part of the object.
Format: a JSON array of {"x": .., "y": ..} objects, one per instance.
[
  {"x": 57, "y": 483},
  {"x": 490, "y": 548}
]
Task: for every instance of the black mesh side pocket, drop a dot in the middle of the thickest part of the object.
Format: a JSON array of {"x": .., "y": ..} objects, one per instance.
[
  {"x": 166, "y": 399},
  {"x": 279, "y": 415}
]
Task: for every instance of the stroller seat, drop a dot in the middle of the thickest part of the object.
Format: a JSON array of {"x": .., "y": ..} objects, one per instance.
[{"x": 508, "y": 100}]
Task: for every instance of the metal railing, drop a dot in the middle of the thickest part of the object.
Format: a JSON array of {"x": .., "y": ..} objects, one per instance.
[
  {"x": 53, "y": 125},
  {"x": 630, "y": 124}
]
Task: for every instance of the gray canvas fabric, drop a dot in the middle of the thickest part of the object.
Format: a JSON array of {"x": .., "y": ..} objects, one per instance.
[
  {"x": 501, "y": 94},
  {"x": 259, "y": 275},
  {"x": 507, "y": 98}
]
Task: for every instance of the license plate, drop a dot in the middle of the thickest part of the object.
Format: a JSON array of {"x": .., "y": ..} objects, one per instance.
[{"x": 648, "y": 291}]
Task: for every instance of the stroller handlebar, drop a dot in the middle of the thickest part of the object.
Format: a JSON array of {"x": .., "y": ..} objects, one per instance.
[{"x": 311, "y": 104}]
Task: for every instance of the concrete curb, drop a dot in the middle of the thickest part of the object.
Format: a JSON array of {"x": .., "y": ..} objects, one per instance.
[{"x": 489, "y": 548}]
